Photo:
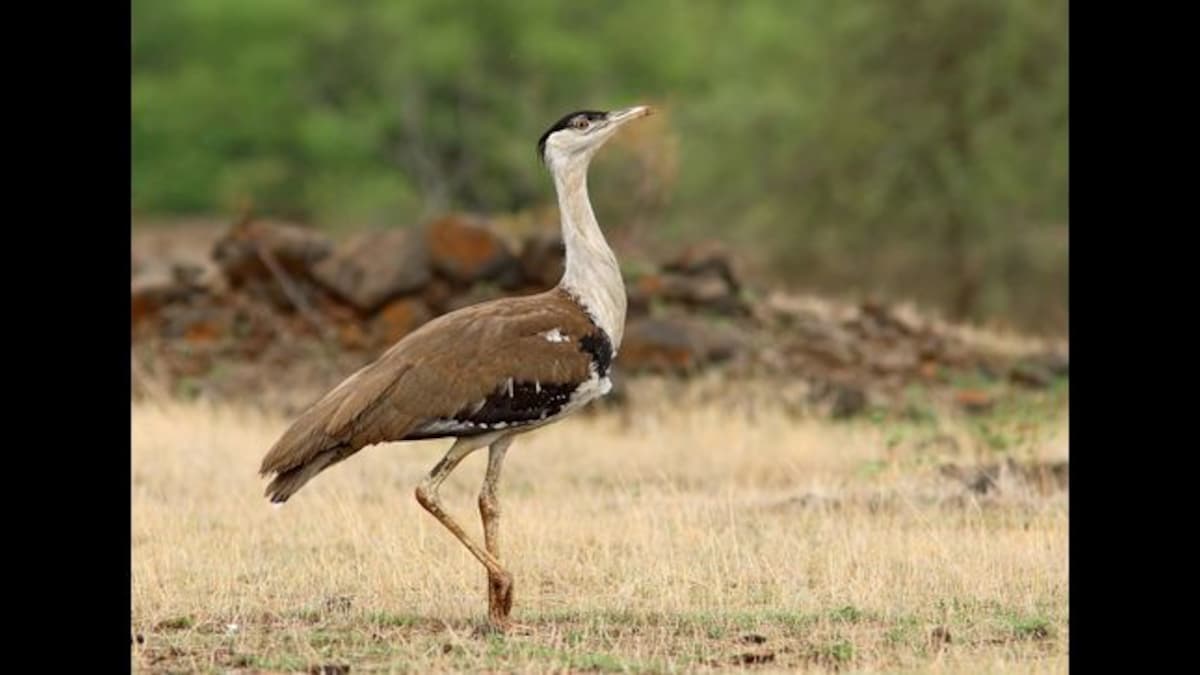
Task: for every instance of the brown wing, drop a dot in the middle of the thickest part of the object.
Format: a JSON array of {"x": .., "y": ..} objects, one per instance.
[{"x": 448, "y": 366}]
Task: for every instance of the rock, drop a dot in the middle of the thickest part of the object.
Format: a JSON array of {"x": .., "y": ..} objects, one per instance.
[
  {"x": 474, "y": 296},
  {"x": 254, "y": 331},
  {"x": 955, "y": 354},
  {"x": 708, "y": 291},
  {"x": 828, "y": 342},
  {"x": 723, "y": 342},
  {"x": 197, "y": 325},
  {"x": 186, "y": 362},
  {"x": 705, "y": 258},
  {"x": 399, "y": 318},
  {"x": 974, "y": 401},
  {"x": 697, "y": 290},
  {"x": 930, "y": 346},
  {"x": 928, "y": 371},
  {"x": 205, "y": 331},
  {"x": 465, "y": 251},
  {"x": 899, "y": 359},
  {"x": 650, "y": 286},
  {"x": 783, "y": 309},
  {"x": 149, "y": 294},
  {"x": 848, "y": 401},
  {"x": 188, "y": 274},
  {"x": 1058, "y": 364},
  {"x": 270, "y": 292},
  {"x": 159, "y": 286},
  {"x": 437, "y": 295},
  {"x": 1054, "y": 362},
  {"x": 351, "y": 336},
  {"x": 335, "y": 310},
  {"x": 542, "y": 259},
  {"x": 1030, "y": 374},
  {"x": 659, "y": 345},
  {"x": 294, "y": 248},
  {"x": 674, "y": 345},
  {"x": 375, "y": 267},
  {"x": 876, "y": 321}
]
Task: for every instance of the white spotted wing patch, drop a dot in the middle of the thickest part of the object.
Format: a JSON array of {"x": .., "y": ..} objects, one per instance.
[
  {"x": 514, "y": 404},
  {"x": 511, "y": 405}
]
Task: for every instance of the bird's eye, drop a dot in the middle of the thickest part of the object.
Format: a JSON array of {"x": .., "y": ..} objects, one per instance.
[{"x": 580, "y": 123}]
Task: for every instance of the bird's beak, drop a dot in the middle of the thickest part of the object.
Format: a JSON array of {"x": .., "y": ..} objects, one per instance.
[
  {"x": 611, "y": 124},
  {"x": 618, "y": 117}
]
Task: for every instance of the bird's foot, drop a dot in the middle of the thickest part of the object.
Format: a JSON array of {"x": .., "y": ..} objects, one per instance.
[{"x": 500, "y": 598}]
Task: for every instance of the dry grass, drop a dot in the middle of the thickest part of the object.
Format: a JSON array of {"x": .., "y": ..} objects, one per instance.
[{"x": 663, "y": 541}]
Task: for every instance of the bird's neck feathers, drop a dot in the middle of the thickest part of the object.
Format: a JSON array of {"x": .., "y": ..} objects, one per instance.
[{"x": 592, "y": 274}]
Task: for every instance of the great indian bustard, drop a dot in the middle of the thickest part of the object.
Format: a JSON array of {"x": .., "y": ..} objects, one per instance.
[{"x": 488, "y": 372}]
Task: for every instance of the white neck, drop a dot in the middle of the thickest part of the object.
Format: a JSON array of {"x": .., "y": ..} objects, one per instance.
[{"x": 592, "y": 275}]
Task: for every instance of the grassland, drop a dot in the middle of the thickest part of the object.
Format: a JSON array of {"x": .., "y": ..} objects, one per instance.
[{"x": 664, "y": 539}]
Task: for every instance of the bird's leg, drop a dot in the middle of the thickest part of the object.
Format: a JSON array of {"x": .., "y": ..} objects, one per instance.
[
  {"x": 499, "y": 587},
  {"x": 427, "y": 496}
]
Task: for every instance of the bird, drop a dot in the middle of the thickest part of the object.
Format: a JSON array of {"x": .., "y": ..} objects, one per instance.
[{"x": 486, "y": 373}]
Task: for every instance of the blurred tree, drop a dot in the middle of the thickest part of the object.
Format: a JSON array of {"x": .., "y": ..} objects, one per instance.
[{"x": 916, "y": 146}]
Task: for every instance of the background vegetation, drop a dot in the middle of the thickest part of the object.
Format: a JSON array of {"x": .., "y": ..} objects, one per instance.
[{"x": 912, "y": 148}]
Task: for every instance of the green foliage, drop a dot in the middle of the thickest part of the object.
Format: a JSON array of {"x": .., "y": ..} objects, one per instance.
[
  {"x": 916, "y": 146},
  {"x": 846, "y": 614},
  {"x": 385, "y": 619},
  {"x": 1030, "y": 627},
  {"x": 177, "y": 623},
  {"x": 837, "y": 652}
]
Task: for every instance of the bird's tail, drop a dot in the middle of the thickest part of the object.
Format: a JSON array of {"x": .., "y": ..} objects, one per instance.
[
  {"x": 328, "y": 432},
  {"x": 286, "y": 483}
]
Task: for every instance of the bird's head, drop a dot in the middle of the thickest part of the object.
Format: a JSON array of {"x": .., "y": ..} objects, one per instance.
[{"x": 577, "y": 136}]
